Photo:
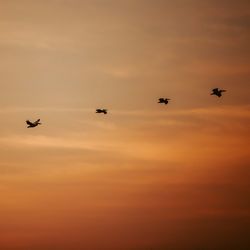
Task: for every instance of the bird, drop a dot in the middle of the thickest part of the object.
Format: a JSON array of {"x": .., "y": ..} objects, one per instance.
[
  {"x": 104, "y": 111},
  {"x": 163, "y": 100},
  {"x": 217, "y": 92},
  {"x": 33, "y": 124}
]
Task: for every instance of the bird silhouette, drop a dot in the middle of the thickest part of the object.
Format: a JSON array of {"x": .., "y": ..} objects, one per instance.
[
  {"x": 217, "y": 92},
  {"x": 163, "y": 100},
  {"x": 33, "y": 124},
  {"x": 104, "y": 111}
]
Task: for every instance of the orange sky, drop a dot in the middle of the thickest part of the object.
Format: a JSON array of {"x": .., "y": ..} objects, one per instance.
[{"x": 146, "y": 176}]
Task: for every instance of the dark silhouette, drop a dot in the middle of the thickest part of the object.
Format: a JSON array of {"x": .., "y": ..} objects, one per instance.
[
  {"x": 33, "y": 124},
  {"x": 163, "y": 100},
  {"x": 217, "y": 92},
  {"x": 104, "y": 111}
]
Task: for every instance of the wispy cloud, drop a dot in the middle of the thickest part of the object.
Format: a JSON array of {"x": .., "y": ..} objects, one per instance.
[{"x": 52, "y": 142}]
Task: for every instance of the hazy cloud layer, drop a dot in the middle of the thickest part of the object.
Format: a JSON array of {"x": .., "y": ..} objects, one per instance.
[{"x": 145, "y": 175}]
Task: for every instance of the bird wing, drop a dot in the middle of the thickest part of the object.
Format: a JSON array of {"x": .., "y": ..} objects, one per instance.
[
  {"x": 29, "y": 123},
  {"x": 215, "y": 90},
  {"x": 37, "y": 121},
  {"x": 161, "y": 99}
]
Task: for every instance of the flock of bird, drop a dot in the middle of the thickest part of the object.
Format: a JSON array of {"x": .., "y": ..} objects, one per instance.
[{"x": 218, "y": 92}]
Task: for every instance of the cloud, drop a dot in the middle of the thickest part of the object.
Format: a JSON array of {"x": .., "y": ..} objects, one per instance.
[{"x": 50, "y": 142}]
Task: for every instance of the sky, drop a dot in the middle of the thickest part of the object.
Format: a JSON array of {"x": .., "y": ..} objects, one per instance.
[{"x": 145, "y": 176}]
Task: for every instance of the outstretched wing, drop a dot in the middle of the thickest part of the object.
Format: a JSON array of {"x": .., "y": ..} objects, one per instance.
[
  {"x": 29, "y": 123},
  {"x": 161, "y": 99},
  {"x": 37, "y": 121},
  {"x": 215, "y": 90}
]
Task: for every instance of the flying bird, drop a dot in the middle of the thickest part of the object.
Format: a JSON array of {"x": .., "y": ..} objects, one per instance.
[
  {"x": 33, "y": 124},
  {"x": 217, "y": 92},
  {"x": 163, "y": 100},
  {"x": 104, "y": 111}
]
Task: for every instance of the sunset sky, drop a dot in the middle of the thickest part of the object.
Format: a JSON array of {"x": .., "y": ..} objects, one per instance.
[{"x": 145, "y": 176}]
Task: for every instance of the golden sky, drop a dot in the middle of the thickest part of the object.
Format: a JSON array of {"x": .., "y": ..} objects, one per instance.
[{"x": 145, "y": 176}]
